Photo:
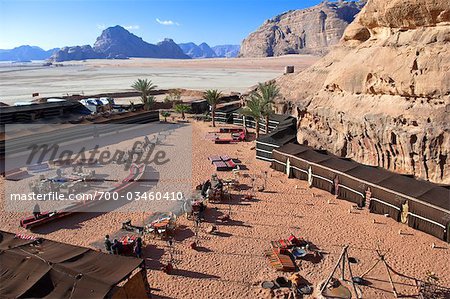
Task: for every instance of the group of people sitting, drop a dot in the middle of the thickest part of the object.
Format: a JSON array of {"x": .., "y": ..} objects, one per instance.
[{"x": 116, "y": 247}]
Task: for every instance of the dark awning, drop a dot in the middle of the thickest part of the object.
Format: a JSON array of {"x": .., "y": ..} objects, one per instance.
[
  {"x": 437, "y": 196},
  {"x": 406, "y": 185},
  {"x": 369, "y": 174},
  {"x": 52, "y": 269},
  {"x": 339, "y": 164}
]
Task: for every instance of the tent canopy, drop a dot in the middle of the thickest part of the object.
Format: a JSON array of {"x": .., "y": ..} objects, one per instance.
[
  {"x": 406, "y": 185},
  {"x": 48, "y": 268},
  {"x": 437, "y": 196},
  {"x": 369, "y": 173},
  {"x": 280, "y": 137},
  {"x": 339, "y": 164}
]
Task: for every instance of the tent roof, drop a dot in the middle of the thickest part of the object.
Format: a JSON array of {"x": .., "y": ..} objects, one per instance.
[
  {"x": 313, "y": 156},
  {"x": 58, "y": 269},
  {"x": 438, "y": 196},
  {"x": 292, "y": 149},
  {"x": 339, "y": 164},
  {"x": 280, "y": 137},
  {"x": 370, "y": 174},
  {"x": 406, "y": 185},
  {"x": 228, "y": 108}
]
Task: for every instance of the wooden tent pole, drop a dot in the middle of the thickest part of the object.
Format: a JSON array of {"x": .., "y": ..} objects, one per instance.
[
  {"x": 351, "y": 276},
  {"x": 371, "y": 268},
  {"x": 390, "y": 277},
  {"x": 344, "y": 250}
]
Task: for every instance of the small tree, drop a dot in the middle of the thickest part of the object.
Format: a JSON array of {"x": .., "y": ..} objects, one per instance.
[
  {"x": 173, "y": 97},
  {"x": 165, "y": 114},
  {"x": 212, "y": 96},
  {"x": 182, "y": 108},
  {"x": 254, "y": 109},
  {"x": 145, "y": 87},
  {"x": 267, "y": 93}
]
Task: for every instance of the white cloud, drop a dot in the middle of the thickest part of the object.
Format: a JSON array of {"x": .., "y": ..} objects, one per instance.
[
  {"x": 132, "y": 27},
  {"x": 167, "y": 22},
  {"x": 101, "y": 26}
]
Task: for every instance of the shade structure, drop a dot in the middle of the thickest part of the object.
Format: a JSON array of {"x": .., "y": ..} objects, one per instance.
[
  {"x": 267, "y": 143},
  {"x": 36, "y": 268},
  {"x": 422, "y": 205}
]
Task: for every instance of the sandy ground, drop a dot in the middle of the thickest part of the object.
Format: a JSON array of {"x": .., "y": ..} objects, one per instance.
[
  {"x": 231, "y": 264},
  {"x": 17, "y": 83}
]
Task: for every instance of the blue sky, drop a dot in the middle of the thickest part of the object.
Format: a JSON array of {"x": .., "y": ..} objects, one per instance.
[{"x": 52, "y": 23}]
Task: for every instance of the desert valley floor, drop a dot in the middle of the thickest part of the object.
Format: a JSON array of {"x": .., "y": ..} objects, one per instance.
[{"x": 19, "y": 82}]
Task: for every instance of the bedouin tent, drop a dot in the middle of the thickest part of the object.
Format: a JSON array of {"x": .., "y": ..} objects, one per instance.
[
  {"x": 311, "y": 158},
  {"x": 425, "y": 206},
  {"x": 268, "y": 142},
  {"x": 225, "y": 114},
  {"x": 354, "y": 183},
  {"x": 333, "y": 170},
  {"x": 388, "y": 197},
  {"x": 431, "y": 212},
  {"x": 280, "y": 156},
  {"x": 36, "y": 268}
]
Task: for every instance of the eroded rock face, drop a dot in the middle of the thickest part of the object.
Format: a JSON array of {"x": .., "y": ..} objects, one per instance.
[
  {"x": 381, "y": 96},
  {"x": 307, "y": 31}
]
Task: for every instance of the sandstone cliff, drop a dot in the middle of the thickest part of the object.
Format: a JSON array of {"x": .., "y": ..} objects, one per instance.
[
  {"x": 382, "y": 97},
  {"x": 307, "y": 31}
]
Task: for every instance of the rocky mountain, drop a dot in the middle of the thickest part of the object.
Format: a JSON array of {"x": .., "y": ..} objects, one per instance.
[
  {"x": 118, "y": 43},
  {"x": 201, "y": 51},
  {"x": 307, "y": 31},
  {"x": 227, "y": 51},
  {"x": 77, "y": 53},
  {"x": 205, "y": 51},
  {"x": 26, "y": 53},
  {"x": 382, "y": 96}
]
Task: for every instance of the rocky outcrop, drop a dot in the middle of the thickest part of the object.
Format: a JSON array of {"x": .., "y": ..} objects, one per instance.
[
  {"x": 382, "y": 97},
  {"x": 76, "y": 53},
  {"x": 118, "y": 43},
  {"x": 228, "y": 51},
  {"x": 306, "y": 31}
]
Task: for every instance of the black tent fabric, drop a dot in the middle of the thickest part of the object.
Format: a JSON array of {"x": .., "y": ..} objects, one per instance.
[
  {"x": 267, "y": 143},
  {"x": 281, "y": 154},
  {"x": 44, "y": 268},
  {"x": 353, "y": 185},
  {"x": 431, "y": 214},
  {"x": 425, "y": 206}
]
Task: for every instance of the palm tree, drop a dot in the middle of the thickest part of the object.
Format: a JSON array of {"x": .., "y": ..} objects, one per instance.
[
  {"x": 182, "y": 108},
  {"x": 212, "y": 96},
  {"x": 165, "y": 114},
  {"x": 267, "y": 93},
  {"x": 254, "y": 109},
  {"x": 145, "y": 87}
]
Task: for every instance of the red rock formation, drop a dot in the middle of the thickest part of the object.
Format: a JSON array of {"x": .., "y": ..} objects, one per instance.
[{"x": 382, "y": 96}]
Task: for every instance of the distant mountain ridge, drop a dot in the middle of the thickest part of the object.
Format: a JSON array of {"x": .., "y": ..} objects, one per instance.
[
  {"x": 205, "y": 51},
  {"x": 118, "y": 43},
  {"x": 227, "y": 51},
  {"x": 26, "y": 53}
]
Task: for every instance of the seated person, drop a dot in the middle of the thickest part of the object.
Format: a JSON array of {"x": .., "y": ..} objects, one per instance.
[{"x": 117, "y": 247}]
